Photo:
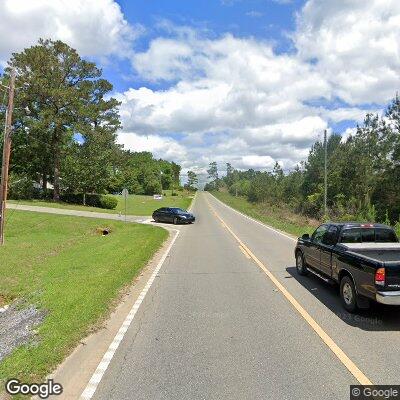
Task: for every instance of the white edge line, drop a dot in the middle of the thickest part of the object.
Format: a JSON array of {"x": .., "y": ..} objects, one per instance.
[
  {"x": 254, "y": 220},
  {"x": 192, "y": 203},
  {"x": 103, "y": 365}
]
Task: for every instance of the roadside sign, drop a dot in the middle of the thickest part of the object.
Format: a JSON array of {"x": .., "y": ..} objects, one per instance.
[
  {"x": 125, "y": 194},
  {"x": 157, "y": 196}
]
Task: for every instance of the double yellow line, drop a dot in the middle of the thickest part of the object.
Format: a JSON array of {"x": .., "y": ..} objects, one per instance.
[{"x": 339, "y": 353}]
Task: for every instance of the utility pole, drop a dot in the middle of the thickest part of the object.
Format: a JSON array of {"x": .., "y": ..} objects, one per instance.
[
  {"x": 6, "y": 154},
  {"x": 325, "y": 173}
]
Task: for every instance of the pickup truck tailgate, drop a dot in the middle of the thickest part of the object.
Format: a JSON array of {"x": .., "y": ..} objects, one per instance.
[
  {"x": 392, "y": 275},
  {"x": 385, "y": 255}
]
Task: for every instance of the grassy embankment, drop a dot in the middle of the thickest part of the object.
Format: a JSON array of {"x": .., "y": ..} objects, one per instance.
[
  {"x": 136, "y": 204},
  {"x": 64, "y": 267},
  {"x": 276, "y": 217}
]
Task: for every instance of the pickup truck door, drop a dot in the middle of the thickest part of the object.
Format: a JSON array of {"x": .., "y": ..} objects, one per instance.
[
  {"x": 328, "y": 241},
  {"x": 313, "y": 251}
]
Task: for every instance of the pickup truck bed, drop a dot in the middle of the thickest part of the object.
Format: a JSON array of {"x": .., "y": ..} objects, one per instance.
[
  {"x": 383, "y": 252},
  {"x": 364, "y": 259}
]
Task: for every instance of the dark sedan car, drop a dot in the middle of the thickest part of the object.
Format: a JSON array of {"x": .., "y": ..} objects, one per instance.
[{"x": 174, "y": 215}]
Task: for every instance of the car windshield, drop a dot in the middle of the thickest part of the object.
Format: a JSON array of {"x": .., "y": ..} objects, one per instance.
[{"x": 178, "y": 211}]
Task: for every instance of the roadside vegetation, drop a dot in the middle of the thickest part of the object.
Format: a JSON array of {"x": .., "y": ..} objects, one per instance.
[
  {"x": 135, "y": 205},
  {"x": 363, "y": 177},
  {"x": 65, "y": 135},
  {"x": 277, "y": 217},
  {"x": 67, "y": 269}
]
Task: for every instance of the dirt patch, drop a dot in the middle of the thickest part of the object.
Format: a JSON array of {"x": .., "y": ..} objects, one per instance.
[
  {"x": 4, "y": 300},
  {"x": 17, "y": 327}
]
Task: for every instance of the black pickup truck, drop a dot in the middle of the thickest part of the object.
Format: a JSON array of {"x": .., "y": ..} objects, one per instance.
[{"x": 364, "y": 259}]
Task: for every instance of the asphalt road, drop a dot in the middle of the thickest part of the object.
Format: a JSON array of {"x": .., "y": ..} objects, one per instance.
[{"x": 214, "y": 325}]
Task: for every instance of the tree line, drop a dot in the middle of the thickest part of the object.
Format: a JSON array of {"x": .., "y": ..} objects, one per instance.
[
  {"x": 64, "y": 130},
  {"x": 363, "y": 175}
]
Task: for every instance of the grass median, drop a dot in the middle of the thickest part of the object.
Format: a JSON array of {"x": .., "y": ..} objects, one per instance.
[
  {"x": 64, "y": 267},
  {"x": 136, "y": 204},
  {"x": 276, "y": 217}
]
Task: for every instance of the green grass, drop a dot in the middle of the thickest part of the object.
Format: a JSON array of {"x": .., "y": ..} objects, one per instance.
[
  {"x": 276, "y": 217},
  {"x": 63, "y": 266},
  {"x": 136, "y": 204}
]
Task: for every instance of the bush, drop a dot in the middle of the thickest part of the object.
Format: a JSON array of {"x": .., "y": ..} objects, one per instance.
[
  {"x": 108, "y": 201},
  {"x": 93, "y": 200},
  {"x": 21, "y": 188},
  {"x": 153, "y": 186}
]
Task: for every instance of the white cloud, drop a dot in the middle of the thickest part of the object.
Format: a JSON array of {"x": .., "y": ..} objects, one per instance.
[
  {"x": 258, "y": 162},
  {"x": 227, "y": 90},
  {"x": 93, "y": 27},
  {"x": 254, "y": 14},
  {"x": 228, "y": 97},
  {"x": 355, "y": 44},
  {"x": 161, "y": 147}
]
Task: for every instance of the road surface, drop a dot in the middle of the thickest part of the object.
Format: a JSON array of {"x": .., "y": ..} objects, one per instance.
[{"x": 215, "y": 326}]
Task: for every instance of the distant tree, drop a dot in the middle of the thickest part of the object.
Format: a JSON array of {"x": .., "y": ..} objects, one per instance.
[
  {"x": 213, "y": 174},
  {"x": 230, "y": 174},
  {"x": 192, "y": 180}
]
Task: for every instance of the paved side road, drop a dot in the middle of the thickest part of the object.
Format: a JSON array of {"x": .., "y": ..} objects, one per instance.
[
  {"x": 78, "y": 213},
  {"x": 213, "y": 326}
]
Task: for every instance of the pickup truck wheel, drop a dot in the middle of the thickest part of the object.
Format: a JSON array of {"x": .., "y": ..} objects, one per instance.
[
  {"x": 348, "y": 294},
  {"x": 300, "y": 264}
]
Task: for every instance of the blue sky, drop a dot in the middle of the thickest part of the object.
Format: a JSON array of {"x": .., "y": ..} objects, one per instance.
[
  {"x": 267, "y": 20},
  {"x": 250, "y": 82},
  {"x": 262, "y": 19}
]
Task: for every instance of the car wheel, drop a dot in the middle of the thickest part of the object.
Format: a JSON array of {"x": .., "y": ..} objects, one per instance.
[
  {"x": 300, "y": 264},
  {"x": 348, "y": 294},
  {"x": 175, "y": 221}
]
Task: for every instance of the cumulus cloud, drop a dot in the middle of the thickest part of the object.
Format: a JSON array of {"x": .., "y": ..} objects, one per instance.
[
  {"x": 355, "y": 44},
  {"x": 226, "y": 98},
  {"x": 223, "y": 91},
  {"x": 161, "y": 147},
  {"x": 93, "y": 27},
  {"x": 239, "y": 90}
]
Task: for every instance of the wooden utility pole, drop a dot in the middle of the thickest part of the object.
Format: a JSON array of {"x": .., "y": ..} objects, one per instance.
[
  {"x": 325, "y": 173},
  {"x": 6, "y": 154}
]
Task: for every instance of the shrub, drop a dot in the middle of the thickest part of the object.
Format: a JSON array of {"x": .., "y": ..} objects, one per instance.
[
  {"x": 92, "y": 199},
  {"x": 153, "y": 186},
  {"x": 108, "y": 201},
  {"x": 21, "y": 188}
]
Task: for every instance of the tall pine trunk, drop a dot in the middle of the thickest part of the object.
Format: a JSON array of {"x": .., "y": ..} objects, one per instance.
[
  {"x": 57, "y": 166},
  {"x": 44, "y": 183}
]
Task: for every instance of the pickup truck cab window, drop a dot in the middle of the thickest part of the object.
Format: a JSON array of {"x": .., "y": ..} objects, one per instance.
[
  {"x": 331, "y": 236},
  {"x": 319, "y": 233},
  {"x": 383, "y": 235},
  {"x": 368, "y": 235},
  {"x": 352, "y": 235}
]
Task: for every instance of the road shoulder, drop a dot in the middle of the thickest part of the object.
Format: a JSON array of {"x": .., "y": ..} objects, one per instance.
[{"x": 77, "y": 369}]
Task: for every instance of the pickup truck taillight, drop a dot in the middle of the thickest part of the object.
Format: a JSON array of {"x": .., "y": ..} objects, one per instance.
[{"x": 380, "y": 277}]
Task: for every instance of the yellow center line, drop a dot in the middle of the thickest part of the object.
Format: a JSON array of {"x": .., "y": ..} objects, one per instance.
[
  {"x": 246, "y": 254},
  {"x": 339, "y": 353}
]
